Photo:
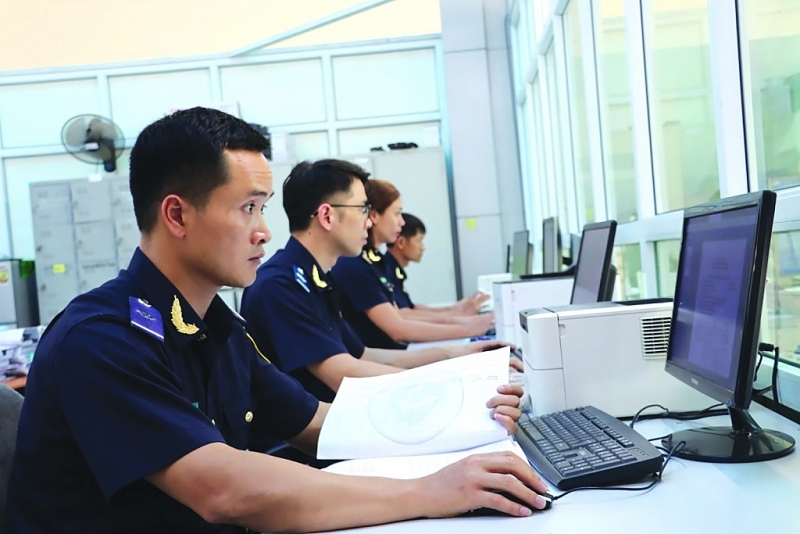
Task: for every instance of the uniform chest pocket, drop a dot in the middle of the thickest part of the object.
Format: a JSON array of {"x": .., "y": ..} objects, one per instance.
[{"x": 237, "y": 418}]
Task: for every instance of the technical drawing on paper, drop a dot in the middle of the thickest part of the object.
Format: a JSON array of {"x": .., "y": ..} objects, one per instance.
[{"x": 416, "y": 409}]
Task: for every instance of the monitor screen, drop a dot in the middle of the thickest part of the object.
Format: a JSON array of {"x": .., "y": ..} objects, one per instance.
[
  {"x": 592, "y": 273},
  {"x": 551, "y": 247},
  {"x": 715, "y": 321},
  {"x": 520, "y": 254}
]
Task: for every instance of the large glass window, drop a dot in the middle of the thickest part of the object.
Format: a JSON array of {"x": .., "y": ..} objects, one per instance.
[
  {"x": 628, "y": 261},
  {"x": 667, "y": 255},
  {"x": 616, "y": 121},
  {"x": 553, "y": 103},
  {"x": 537, "y": 148},
  {"x": 781, "y": 312},
  {"x": 576, "y": 93},
  {"x": 773, "y": 41},
  {"x": 678, "y": 68}
]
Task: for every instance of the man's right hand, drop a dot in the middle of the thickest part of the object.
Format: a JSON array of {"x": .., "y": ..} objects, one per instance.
[{"x": 476, "y": 482}]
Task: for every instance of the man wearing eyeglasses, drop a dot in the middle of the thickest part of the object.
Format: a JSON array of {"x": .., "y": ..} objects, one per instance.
[{"x": 292, "y": 308}]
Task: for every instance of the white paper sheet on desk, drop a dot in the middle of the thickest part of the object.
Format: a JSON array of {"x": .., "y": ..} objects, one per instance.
[
  {"x": 436, "y": 408},
  {"x": 417, "y": 466}
]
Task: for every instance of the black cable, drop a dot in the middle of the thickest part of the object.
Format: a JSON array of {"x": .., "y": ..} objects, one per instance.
[
  {"x": 758, "y": 366},
  {"x": 710, "y": 411},
  {"x": 775, "y": 376},
  {"x": 657, "y": 476}
]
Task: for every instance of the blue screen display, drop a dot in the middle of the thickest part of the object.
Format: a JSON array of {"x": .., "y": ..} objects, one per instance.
[{"x": 716, "y": 263}]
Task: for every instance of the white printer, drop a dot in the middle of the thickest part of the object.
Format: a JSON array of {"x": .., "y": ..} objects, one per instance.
[
  {"x": 514, "y": 296},
  {"x": 610, "y": 355}
]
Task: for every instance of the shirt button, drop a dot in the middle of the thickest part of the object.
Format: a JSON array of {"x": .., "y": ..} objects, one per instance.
[
  {"x": 248, "y": 416},
  {"x": 201, "y": 337}
]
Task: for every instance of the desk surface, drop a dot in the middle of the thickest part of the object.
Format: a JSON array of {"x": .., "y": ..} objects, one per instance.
[{"x": 693, "y": 497}]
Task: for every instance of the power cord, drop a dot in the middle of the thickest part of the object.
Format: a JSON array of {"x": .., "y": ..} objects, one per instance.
[
  {"x": 775, "y": 350},
  {"x": 657, "y": 476},
  {"x": 710, "y": 411}
]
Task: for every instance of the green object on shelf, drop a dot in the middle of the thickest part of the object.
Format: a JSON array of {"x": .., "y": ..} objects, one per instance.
[{"x": 26, "y": 268}]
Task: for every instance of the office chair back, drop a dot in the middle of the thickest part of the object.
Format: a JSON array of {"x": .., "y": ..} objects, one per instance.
[{"x": 10, "y": 408}]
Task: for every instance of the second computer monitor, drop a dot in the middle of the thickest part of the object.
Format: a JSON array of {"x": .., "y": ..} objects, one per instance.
[
  {"x": 593, "y": 274},
  {"x": 521, "y": 254},
  {"x": 551, "y": 245}
]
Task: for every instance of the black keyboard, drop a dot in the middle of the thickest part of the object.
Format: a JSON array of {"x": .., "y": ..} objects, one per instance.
[{"x": 586, "y": 447}]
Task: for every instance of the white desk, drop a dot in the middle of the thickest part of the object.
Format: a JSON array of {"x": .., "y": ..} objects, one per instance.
[{"x": 692, "y": 498}]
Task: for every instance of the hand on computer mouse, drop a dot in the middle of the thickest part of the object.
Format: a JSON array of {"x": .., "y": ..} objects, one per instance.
[
  {"x": 485, "y": 481},
  {"x": 548, "y": 497}
]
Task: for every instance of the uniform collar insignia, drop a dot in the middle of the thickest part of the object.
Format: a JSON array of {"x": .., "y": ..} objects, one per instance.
[
  {"x": 373, "y": 256},
  {"x": 365, "y": 257},
  {"x": 398, "y": 272},
  {"x": 177, "y": 319},
  {"x": 319, "y": 282}
]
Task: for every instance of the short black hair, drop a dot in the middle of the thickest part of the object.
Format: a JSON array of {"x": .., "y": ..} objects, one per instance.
[
  {"x": 413, "y": 225},
  {"x": 312, "y": 183},
  {"x": 182, "y": 154}
]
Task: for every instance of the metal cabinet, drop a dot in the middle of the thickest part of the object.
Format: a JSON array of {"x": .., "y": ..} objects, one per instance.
[{"x": 74, "y": 237}]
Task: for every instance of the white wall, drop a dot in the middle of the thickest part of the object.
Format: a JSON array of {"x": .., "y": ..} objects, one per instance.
[
  {"x": 357, "y": 97},
  {"x": 482, "y": 134}
]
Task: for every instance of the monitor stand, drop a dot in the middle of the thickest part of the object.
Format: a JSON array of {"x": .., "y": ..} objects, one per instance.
[{"x": 743, "y": 441}]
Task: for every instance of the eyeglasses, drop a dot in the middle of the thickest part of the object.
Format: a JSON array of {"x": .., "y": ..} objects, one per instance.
[{"x": 365, "y": 208}]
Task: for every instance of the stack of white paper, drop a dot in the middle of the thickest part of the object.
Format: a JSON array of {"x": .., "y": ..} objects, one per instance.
[
  {"x": 436, "y": 408},
  {"x": 407, "y": 467}
]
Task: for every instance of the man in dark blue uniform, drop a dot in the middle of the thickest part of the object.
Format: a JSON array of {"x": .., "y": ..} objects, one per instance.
[
  {"x": 409, "y": 247},
  {"x": 292, "y": 308},
  {"x": 368, "y": 297},
  {"x": 146, "y": 395}
]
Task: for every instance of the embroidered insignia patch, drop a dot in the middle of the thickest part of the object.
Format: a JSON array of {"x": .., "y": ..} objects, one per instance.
[
  {"x": 177, "y": 319},
  {"x": 300, "y": 278},
  {"x": 399, "y": 274},
  {"x": 374, "y": 258},
  {"x": 365, "y": 257},
  {"x": 317, "y": 280},
  {"x": 146, "y": 318}
]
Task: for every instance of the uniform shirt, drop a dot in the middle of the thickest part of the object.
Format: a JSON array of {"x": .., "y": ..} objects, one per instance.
[
  {"x": 292, "y": 313},
  {"x": 364, "y": 285},
  {"x": 397, "y": 276},
  {"x": 127, "y": 380}
]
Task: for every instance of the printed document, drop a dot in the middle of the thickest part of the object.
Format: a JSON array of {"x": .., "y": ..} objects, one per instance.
[{"x": 436, "y": 408}]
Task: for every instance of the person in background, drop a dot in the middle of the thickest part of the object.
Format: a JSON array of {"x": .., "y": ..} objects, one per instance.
[
  {"x": 292, "y": 308},
  {"x": 409, "y": 247},
  {"x": 147, "y": 398},
  {"x": 368, "y": 297}
]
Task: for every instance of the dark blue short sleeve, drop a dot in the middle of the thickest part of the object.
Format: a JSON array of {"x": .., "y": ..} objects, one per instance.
[
  {"x": 360, "y": 283},
  {"x": 354, "y": 344},
  {"x": 286, "y": 407},
  {"x": 132, "y": 419},
  {"x": 286, "y": 319}
]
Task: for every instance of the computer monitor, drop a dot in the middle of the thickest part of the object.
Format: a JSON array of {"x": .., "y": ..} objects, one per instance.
[
  {"x": 551, "y": 245},
  {"x": 521, "y": 254},
  {"x": 593, "y": 275},
  {"x": 574, "y": 249},
  {"x": 715, "y": 320}
]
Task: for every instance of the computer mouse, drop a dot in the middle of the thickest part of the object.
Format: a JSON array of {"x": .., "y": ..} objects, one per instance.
[{"x": 548, "y": 497}]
